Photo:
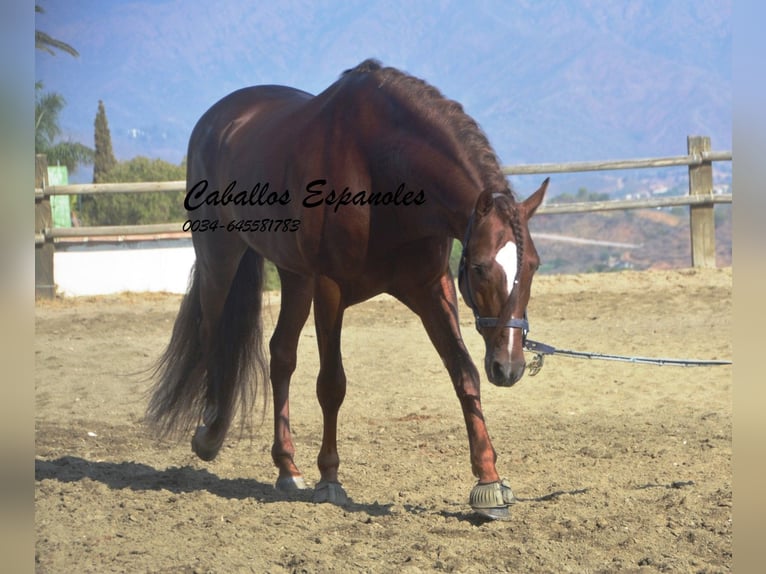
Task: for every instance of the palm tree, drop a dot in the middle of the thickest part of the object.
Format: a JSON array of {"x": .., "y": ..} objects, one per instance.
[
  {"x": 47, "y": 108},
  {"x": 46, "y": 43},
  {"x": 68, "y": 153}
]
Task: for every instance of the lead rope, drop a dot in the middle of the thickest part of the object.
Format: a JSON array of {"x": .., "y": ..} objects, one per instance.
[{"x": 541, "y": 349}]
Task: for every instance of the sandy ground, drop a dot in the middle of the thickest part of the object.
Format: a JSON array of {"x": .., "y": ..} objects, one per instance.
[{"x": 617, "y": 466}]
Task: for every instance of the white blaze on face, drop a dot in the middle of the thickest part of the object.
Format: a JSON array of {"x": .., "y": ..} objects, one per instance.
[{"x": 508, "y": 259}]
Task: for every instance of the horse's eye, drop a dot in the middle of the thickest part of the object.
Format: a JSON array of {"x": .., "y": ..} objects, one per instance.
[{"x": 480, "y": 270}]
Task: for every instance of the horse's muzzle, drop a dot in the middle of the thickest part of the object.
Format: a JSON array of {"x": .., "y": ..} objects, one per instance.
[{"x": 505, "y": 374}]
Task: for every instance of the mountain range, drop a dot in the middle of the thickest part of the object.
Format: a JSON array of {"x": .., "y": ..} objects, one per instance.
[{"x": 548, "y": 81}]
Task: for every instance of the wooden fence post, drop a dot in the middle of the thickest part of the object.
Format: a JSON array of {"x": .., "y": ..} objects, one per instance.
[
  {"x": 702, "y": 217},
  {"x": 44, "y": 284}
]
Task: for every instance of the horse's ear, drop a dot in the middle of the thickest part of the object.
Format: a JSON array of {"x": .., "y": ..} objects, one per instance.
[
  {"x": 484, "y": 203},
  {"x": 531, "y": 204}
]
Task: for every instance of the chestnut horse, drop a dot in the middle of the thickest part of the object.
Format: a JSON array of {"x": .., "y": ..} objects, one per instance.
[{"x": 354, "y": 192}]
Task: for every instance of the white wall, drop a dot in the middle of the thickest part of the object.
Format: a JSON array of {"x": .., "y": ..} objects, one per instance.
[{"x": 101, "y": 270}]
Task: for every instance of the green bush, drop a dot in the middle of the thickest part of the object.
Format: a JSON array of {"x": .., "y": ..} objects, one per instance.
[
  {"x": 454, "y": 257},
  {"x": 582, "y": 196},
  {"x": 135, "y": 208},
  {"x": 271, "y": 277}
]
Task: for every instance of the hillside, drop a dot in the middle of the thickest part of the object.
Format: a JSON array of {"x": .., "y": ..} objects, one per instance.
[
  {"x": 550, "y": 81},
  {"x": 661, "y": 237}
]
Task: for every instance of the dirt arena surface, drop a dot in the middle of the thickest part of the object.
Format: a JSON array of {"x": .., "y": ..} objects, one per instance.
[{"x": 617, "y": 467}]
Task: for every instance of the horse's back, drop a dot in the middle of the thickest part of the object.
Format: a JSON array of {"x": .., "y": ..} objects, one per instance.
[{"x": 241, "y": 108}]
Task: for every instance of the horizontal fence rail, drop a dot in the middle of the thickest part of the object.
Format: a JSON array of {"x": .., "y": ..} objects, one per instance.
[
  {"x": 700, "y": 200},
  {"x": 648, "y": 203},
  {"x": 572, "y": 167},
  {"x": 102, "y": 188},
  {"x": 109, "y": 231}
]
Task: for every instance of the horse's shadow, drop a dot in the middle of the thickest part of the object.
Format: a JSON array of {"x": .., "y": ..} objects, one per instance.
[
  {"x": 142, "y": 477},
  {"x": 185, "y": 479},
  {"x": 478, "y": 520}
]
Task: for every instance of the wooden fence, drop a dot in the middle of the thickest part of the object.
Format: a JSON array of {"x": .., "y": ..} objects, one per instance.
[{"x": 701, "y": 201}]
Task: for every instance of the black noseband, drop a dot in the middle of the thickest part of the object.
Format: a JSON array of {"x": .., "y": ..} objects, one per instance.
[{"x": 512, "y": 323}]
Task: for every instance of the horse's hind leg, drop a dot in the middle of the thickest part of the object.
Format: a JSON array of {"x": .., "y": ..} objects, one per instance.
[
  {"x": 331, "y": 385},
  {"x": 296, "y": 303}
]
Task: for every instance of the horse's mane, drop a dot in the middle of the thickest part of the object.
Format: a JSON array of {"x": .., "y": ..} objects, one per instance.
[{"x": 449, "y": 113}]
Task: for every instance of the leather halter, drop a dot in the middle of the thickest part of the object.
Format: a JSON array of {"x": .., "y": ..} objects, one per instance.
[{"x": 512, "y": 323}]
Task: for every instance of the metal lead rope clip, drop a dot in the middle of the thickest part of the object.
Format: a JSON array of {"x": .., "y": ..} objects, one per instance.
[{"x": 535, "y": 364}]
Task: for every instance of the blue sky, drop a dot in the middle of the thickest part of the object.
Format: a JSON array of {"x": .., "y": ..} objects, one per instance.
[{"x": 548, "y": 81}]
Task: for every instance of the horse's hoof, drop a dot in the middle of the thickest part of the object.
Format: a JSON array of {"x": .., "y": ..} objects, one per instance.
[
  {"x": 202, "y": 446},
  {"x": 492, "y": 500},
  {"x": 290, "y": 483},
  {"x": 331, "y": 492}
]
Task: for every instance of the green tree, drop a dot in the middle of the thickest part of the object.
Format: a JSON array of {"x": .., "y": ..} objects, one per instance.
[
  {"x": 48, "y": 105},
  {"x": 48, "y": 44},
  {"x": 104, "y": 160},
  {"x": 136, "y": 208}
]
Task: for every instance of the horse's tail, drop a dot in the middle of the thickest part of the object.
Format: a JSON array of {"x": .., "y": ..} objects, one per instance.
[{"x": 194, "y": 381}]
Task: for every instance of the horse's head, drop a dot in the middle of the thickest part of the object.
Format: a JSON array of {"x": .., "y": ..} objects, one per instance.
[{"x": 495, "y": 279}]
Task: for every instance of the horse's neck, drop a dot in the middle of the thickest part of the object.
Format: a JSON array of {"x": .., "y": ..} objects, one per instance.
[
  {"x": 456, "y": 199},
  {"x": 450, "y": 180}
]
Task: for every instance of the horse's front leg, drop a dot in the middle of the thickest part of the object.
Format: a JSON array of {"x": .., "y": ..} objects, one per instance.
[
  {"x": 437, "y": 307},
  {"x": 331, "y": 386},
  {"x": 297, "y": 292}
]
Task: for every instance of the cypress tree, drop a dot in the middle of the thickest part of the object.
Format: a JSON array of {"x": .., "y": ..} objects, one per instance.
[{"x": 104, "y": 159}]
